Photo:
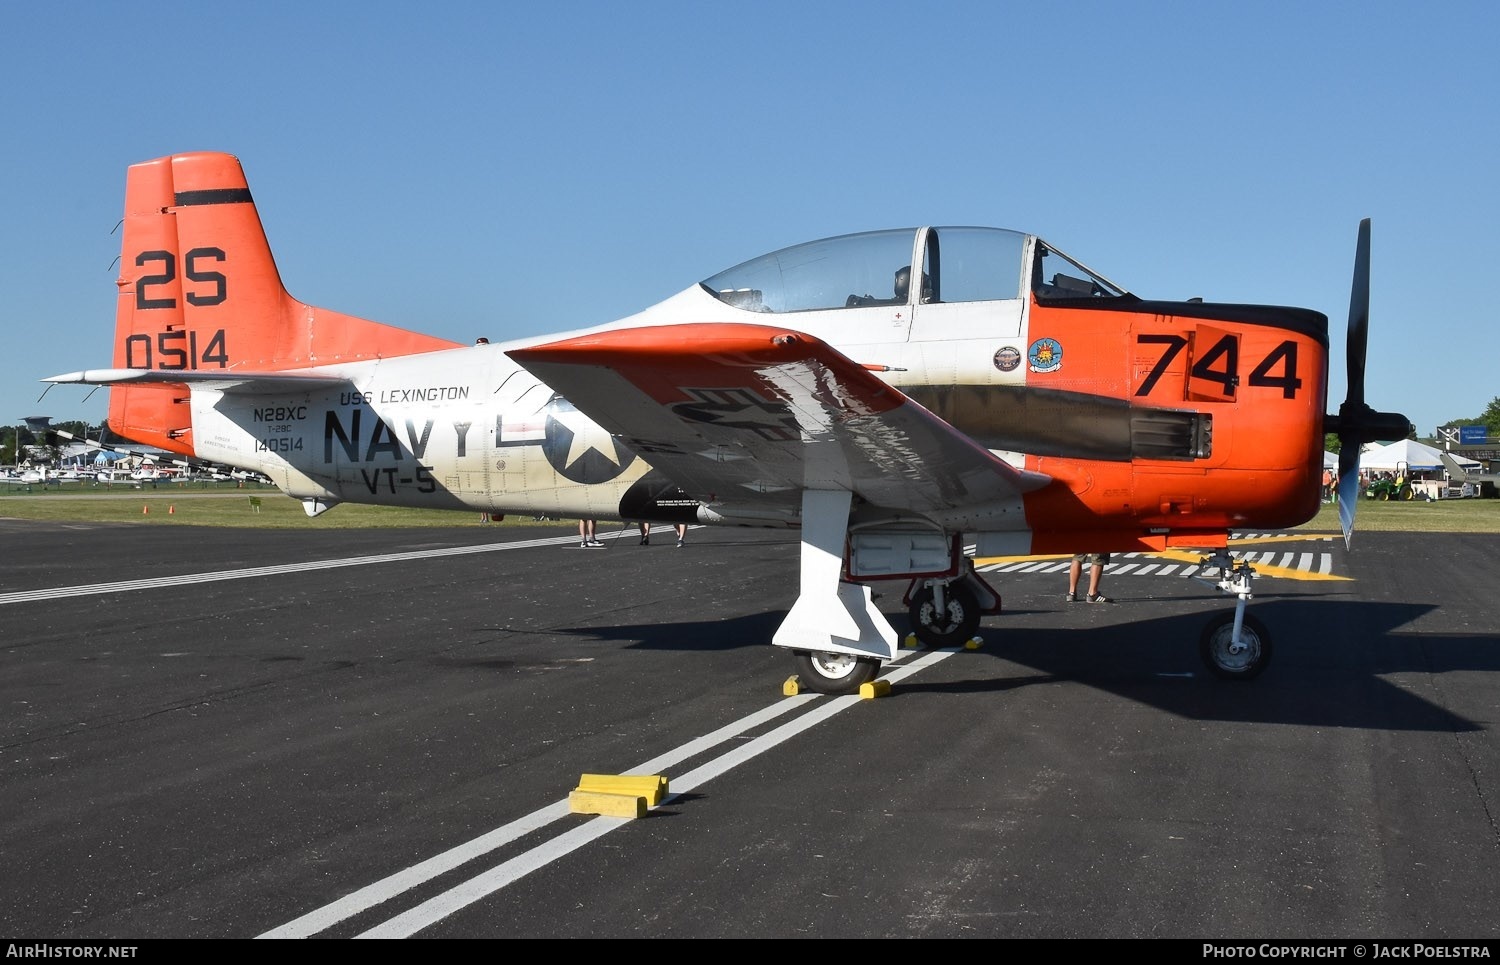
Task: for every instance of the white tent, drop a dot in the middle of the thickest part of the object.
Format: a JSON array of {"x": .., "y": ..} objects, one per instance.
[
  {"x": 1330, "y": 460},
  {"x": 1413, "y": 455}
]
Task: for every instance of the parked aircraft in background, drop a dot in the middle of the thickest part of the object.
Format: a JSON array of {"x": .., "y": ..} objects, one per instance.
[
  {"x": 25, "y": 477},
  {"x": 892, "y": 395},
  {"x": 1458, "y": 474},
  {"x": 41, "y": 476}
]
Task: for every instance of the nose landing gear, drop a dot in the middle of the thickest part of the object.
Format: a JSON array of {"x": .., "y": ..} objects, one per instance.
[{"x": 1235, "y": 646}]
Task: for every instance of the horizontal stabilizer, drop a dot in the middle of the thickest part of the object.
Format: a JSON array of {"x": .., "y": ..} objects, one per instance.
[{"x": 241, "y": 382}]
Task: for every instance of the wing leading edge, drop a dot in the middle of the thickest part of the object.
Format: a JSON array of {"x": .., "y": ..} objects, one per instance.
[{"x": 750, "y": 415}]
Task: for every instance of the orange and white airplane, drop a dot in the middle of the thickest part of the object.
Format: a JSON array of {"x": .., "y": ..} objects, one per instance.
[{"x": 1013, "y": 399}]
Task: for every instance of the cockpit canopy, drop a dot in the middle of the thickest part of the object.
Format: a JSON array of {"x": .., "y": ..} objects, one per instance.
[{"x": 958, "y": 264}]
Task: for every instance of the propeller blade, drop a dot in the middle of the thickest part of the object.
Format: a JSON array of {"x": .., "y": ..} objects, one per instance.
[
  {"x": 1348, "y": 488},
  {"x": 1359, "y": 317}
]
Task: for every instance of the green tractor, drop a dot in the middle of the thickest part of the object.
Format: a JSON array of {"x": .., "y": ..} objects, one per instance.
[{"x": 1395, "y": 486}]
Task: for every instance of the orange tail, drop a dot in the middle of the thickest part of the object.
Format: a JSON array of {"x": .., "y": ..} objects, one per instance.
[{"x": 199, "y": 290}]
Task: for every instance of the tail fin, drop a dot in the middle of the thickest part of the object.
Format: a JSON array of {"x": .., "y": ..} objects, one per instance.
[
  {"x": 199, "y": 290},
  {"x": 1456, "y": 472}
]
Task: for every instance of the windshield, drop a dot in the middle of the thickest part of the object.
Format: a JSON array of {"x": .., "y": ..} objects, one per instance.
[{"x": 1055, "y": 275}]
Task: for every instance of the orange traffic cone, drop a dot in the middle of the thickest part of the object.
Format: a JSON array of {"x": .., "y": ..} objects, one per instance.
[
  {"x": 145, "y": 510},
  {"x": 171, "y": 510}
]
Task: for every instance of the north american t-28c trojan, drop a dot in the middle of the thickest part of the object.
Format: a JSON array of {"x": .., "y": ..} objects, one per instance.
[{"x": 894, "y": 396}]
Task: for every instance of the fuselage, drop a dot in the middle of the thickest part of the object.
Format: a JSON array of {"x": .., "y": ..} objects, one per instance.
[{"x": 1151, "y": 417}]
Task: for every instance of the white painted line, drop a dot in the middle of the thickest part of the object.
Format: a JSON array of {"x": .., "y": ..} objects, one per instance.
[
  {"x": 125, "y": 586},
  {"x": 439, "y": 907}
]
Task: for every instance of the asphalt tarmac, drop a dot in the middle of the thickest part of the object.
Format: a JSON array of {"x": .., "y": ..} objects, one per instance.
[{"x": 225, "y": 733}]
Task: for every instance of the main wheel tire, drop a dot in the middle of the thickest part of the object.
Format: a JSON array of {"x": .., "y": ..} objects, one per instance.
[
  {"x": 1408, "y": 493},
  {"x": 954, "y": 626},
  {"x": 834, "y": 673},
  {"x": 1217, "y": 649},
  {"x": 1385, "y": 496}
]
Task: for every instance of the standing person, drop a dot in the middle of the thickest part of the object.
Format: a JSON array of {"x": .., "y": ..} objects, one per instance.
[
  {"x": 1097, "y": 562},
  {"x": 587, "y": 534},
  {"x": 645, "y": 529},
  {"x": 681, "y": 529}
]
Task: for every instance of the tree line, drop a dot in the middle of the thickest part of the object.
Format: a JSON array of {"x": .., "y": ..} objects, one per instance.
[{"x": 12, "y": 437}]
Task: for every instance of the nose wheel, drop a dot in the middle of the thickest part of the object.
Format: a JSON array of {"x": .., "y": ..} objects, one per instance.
[
  {"x": 1232, "y": 658},
  {"x": 1234, "y": 645}
]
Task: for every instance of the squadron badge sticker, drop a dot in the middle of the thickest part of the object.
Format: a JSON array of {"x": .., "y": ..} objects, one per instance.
[
  {"x": 1045, "y": 355},
  {"x": 1007, "y": 358}
]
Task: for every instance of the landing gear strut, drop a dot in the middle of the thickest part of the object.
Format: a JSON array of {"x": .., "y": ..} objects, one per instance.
[{"x": 1235, "y": 646}]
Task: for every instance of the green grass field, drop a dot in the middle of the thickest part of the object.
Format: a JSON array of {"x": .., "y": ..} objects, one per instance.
[
  {"x": 187, "y": 506},
  {"x": 169, "y": 505},
  {"x": 1443, "y": 516}
]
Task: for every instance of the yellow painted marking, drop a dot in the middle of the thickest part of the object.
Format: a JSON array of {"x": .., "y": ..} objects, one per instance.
[
  {"x": 1195, "y": 557},
  {"x": 1284, "y": 538},
  {"x": 1261, "y": 569},
  {"x": 1291, "y": 573},
  {"x": 986, "y": 560}
]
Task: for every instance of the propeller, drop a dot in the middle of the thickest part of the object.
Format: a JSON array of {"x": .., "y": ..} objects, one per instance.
[{"x": 1356, "y": 423}]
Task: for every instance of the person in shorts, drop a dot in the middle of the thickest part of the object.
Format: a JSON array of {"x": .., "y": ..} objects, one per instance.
[{"x": 1097, "y": 562}]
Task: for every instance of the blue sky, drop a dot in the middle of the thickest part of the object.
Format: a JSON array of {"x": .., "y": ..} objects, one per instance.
[{"x": 515, "y": 169}]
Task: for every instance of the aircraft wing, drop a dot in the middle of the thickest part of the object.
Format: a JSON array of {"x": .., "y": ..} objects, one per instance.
[
  {"x": 746, "y": 414},
  {"x": 224, "y": 380}
]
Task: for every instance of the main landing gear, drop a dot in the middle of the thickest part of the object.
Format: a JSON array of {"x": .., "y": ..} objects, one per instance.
[
  {"x": 944, "y": 611},
  {"x": 838, "y": 637},
  {"x": 1235, "y": 646},
  {"x": 834, "y": 673}
]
